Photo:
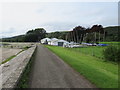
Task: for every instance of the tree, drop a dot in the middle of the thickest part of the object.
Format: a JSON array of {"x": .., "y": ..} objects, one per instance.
[
  {"x": 94, "y": 33},
  {"x": 35, "y": 35},
  {"x": 59, "y": 35},
  {"x": 31, "y": 38},
  {"x": 79, "y": 33}
]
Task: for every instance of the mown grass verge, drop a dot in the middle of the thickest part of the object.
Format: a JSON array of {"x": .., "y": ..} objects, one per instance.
[
  {"x": 23, "y": 81},
  {"x": 102, "y": 74}
]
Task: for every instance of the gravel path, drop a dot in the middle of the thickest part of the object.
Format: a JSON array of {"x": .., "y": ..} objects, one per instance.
[{"x": 49, "y": 71}]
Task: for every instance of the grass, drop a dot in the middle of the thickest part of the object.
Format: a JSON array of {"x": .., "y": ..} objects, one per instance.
[
  {"x": 8, "y": 59},
  {"x": 112, "y": 43},
  {"x": 102, "y": 74},
  {"x": 96, "y": 51}
]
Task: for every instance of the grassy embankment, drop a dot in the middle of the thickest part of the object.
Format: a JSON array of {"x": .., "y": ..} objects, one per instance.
[{"x": 102, "y": 74}]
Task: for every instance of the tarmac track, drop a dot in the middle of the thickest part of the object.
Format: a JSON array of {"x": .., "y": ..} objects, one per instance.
[{"x": 49, "y": 71}]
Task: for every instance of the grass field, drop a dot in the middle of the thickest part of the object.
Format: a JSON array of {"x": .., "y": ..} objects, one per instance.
[
  {"x": 102, "y": 74},
  {"x": 96, "y": 51}
]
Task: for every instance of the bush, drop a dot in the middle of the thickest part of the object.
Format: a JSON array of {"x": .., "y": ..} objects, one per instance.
[{"x": 111, "y": 53}]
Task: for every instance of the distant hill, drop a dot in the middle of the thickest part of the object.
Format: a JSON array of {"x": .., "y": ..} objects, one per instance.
[
  {"x": 19, "y": 38},
  {"x": 112, "y": 34}
]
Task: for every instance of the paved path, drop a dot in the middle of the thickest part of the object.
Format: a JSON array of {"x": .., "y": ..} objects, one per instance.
[{"x": 49, "y": 71}]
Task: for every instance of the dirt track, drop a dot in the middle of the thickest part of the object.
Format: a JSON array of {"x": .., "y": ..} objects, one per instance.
[{"x": 49, "y": 71}]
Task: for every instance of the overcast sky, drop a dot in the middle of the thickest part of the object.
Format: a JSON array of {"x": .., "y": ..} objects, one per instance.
[{"x": 19, "y": 17}]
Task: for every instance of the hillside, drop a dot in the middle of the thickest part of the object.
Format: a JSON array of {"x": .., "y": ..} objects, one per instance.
[
  {"x": 19, "y": 38},
  {"x": 112, "y": 33}
]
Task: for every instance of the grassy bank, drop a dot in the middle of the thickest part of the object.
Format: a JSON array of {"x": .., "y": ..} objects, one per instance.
[{"x": 102, "y": 74}]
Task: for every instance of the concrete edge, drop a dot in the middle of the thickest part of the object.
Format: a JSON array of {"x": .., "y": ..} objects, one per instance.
[
  {"x": 15, "y": 86},
  {"x": 15, "y": 77}
]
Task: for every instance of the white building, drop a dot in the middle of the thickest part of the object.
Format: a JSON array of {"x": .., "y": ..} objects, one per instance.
[
  {"x": 46, "y": 41},
  {"x": 59, "y": 42},
  {"x": 55, "y": 42},
  {"x": 54, "y": 39}
]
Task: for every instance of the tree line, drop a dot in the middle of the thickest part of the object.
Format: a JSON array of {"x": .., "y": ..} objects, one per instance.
[
  {"x": 34, "y": 35},
  {"x": 80, "y": 34},
  {"x": 95, "y": 34}
]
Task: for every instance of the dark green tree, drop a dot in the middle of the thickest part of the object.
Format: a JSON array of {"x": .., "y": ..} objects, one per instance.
[{"x": 35, "y": 35}]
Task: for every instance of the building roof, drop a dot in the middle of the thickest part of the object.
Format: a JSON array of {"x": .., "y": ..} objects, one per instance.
[
  {"x": 54, "y": 40},
  {"x": 60, "y": 40},
  {"x": 44, "y": 39}
]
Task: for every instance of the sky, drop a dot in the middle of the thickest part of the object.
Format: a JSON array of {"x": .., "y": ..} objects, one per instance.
[{"x": 19, "y": 17}]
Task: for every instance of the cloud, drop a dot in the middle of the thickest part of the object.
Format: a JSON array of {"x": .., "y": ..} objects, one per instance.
[{"x": 52, "y": 16}]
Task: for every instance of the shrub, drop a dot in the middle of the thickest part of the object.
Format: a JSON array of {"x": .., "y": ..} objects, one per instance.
[{"x": 111, "y": 53}]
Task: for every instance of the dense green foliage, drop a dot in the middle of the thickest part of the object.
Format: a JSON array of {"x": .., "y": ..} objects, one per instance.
[
  {"x": 102, "y": 74},
  {"x": 112, "y": 53},
  {"x": 35, "y": 35}
]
